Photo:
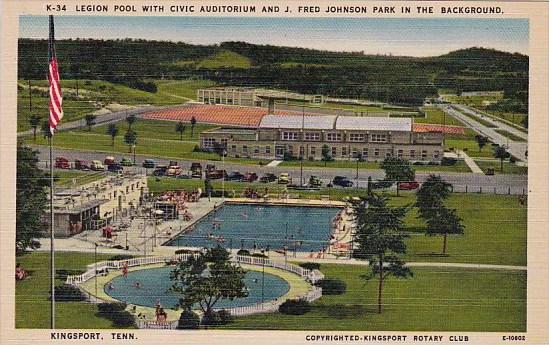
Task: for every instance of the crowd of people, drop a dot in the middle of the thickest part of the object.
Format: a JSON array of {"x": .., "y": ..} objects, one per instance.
[
  {"x": 181, "y": 197},
  {"x": 20, "y": 272},
  {"x": 251, "y": 193}
]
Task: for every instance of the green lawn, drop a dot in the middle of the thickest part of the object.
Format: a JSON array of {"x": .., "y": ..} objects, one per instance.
[
  {"x": 470, "y": 146},
  {"x": 495, "y": 231},
  {"x": 32, "y": 305},
  {"x": 435, "y": 299},
  {"x": 460, "y": 166},
  {"x": 510, "y": 135},
  {"x": 68, "y": 178},
  {"x": 508, "y": 168},
  {"x": 437, "y": 116}
]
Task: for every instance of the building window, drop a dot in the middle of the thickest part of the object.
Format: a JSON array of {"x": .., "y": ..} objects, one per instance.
[
  {"x": 412, "y": 153},
  {"x": 378, "y": 138},
  {"x": 333, "y": 136},
  {"x": 436, "y": 154},
  {"x": 376, "y": 152},
  {"x": 267, "y": 149},
  {"x": 400, "y": 153},
  {"x": 313, "y": 150},
  {"x": 344, "y": 151},
  {"x": 256, "y": 149},
  {"x": 312, "y": 136},
  {"x": 208, "y": 142},
  {"x": 127, "y": 189},
  {"x": 114, "y": 194},
  {"x": 423, "y": 154},
  {"x": 334, "y": 151},
  {"x": 354, "y": 152},
  {"x": 245, "y": 149},
  {"x": 388, "y": 154},
  {"x": 356, "y": 137},
  {"x": 290, "y": 150},
  {"x": 290, "y": 136},
  {"x": 365, "y": 152},
  {"x": 301, "y": 151},
  {"x": 233, "y": 148}
]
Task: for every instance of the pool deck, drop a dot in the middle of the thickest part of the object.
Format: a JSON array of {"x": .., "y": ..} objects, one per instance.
[{"x": 298, "y": 287}]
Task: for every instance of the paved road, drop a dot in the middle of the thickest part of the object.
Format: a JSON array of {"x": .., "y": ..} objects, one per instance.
[
  {"x": 517, "y": 149},
  {"x": 463, "y": 182}
]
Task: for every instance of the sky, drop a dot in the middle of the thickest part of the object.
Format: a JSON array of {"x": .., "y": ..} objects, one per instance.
[{"x": 409, "y": 37}]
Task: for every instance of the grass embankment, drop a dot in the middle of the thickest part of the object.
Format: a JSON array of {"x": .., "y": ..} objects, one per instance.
[
  {"x": 460, "y": 166},
  {"x": 32, "y": 304},
  {"x": 435, "y": 299},
  {"x": 510, "y": 135},
  {"x": 495, "y": 225},
  {"x": 508, "y": 168}
]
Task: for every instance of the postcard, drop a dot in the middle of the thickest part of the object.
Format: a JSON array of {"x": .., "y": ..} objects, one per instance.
[{"x": 208, "y": 172}]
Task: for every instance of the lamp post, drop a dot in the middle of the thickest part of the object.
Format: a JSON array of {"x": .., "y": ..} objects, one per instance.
[
  {"x": 95, "y": 259},
  {"x": 223, "y": 153},
  {"x": 358, "y": 159},
  {"x": 133, "y": 147}
]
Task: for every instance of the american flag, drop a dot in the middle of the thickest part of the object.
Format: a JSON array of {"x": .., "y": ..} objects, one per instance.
[{"x": 56, "y": 96}]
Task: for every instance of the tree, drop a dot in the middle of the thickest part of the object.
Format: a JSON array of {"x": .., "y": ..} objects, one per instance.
[
  {"x": 431, "y": 195},
  {"x": 131, "y": 120},
  {"x": 326, "y": 154},
  {"x": 31, "y": 199},
  {"x": 444, "y": 221},
  {"x": 193, "y": 123},
  {"x": 90, "y": 121},
  {"x": 208, "y": 187},
  {"x": 130, "y": 138},
  {"x": 380, "y": 240},
  {"x": 501, "y": 153},
  {"x": 112, "y": 130},
  {"x": 481, "y": 141},
  {"x": 397, "y": 170},
  {"x": 180, "y": 128},
  {"x": 34, "y": 122},
  {"x": 206, "y": 278}
]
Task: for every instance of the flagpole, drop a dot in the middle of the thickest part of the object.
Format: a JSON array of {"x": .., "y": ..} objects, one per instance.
[
  {"x": 51, "y": 54},
  {"x": 52, "y": 238}
]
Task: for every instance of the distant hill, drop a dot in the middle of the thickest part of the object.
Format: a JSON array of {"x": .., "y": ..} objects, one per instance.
[{"x": 396, "y": 79}]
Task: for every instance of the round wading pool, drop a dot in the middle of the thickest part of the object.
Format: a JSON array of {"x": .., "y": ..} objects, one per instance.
[{"x": 154, "y": 285}]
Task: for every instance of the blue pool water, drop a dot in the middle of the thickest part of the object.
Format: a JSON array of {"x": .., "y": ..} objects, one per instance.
[
  {"x": 265, "y": 227},
  {"x": 155, "y": 285}
]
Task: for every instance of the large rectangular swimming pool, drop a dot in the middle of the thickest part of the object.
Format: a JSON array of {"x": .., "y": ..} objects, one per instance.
[{"x": 268, "y": 227}]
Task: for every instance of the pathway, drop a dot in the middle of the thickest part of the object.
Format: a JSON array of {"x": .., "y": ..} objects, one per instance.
[{"x": 470, "y": 162}]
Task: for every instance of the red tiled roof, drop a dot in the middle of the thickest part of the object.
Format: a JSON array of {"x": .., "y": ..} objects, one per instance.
[
  {"x": 216, "y": 114},
  {"x": 424, "y": 128}
]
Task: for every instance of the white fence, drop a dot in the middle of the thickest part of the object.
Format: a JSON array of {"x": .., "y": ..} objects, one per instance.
[{"x": 312, "y": 276}]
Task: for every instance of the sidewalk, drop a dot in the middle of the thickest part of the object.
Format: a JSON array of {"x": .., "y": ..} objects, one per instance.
[{"x": 470, "y": 163}]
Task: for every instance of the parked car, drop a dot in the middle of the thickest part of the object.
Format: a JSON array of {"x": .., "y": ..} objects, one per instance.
[
  {"x": 80, "y": 164},
  {"x": 234, "y": 176},
  {"x": 268, "y": 177},
  {"x": 126, "y": 162},
  {"x": 196, "y": 170},
  {"x": 315, "y": 181},
  {"x": 381, "y": 184},
  {"x": 284, "y": 178},
  {"x": 62, "y": 163},
  {"x": 342, "y": 181},
  {"x": 115, "y": 167},
  {"x": 160, "y": 170},
  {"x": 109, "y": 160},
  {"x": 174, "y": 169},
  {"x": 408, "y": 185},
  {"x": 149, "y": 163},
  {"x": 250, "y": 177},
  {"x": 489, "y": 172},
  {"x": 97, "y": 165},
  {"x": 213, "y": 174}
]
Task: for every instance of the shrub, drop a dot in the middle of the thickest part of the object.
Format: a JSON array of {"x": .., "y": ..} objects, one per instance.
[
  {"x": 243, "y": 252},
  {"x": 224, "y": 317},
  {"x": 186, "y": 251},
  {"x": 512, "y": 159},
  {"x": 216, "y": 318},
  {"x": 196, "y": 148},
  {"x": 332, "y": 286},
  {"x": 259, "y": 255},
  {"x": 116, "y": 312},
  {"x": 295, "y": 307},
  {"x": 68, "y": 293},
  {"x": 418, "y": 163},
  {"x": 310, "y": 265},
  {"x": 121, "y": 257},
  {"x": 448, "y": 161},
  {"x": 188, "y": 320}
]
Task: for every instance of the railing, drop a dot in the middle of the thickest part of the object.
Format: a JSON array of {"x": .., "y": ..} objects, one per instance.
[{"x": 312, "y": 276}]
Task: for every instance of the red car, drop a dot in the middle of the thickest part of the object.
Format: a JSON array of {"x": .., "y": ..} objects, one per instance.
[
  {"x": 410, "y": 185},
  {"x": 62, "y": 163},
  {"x": 249, "y": 177},
  {"x": 81, "y": 164}
]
